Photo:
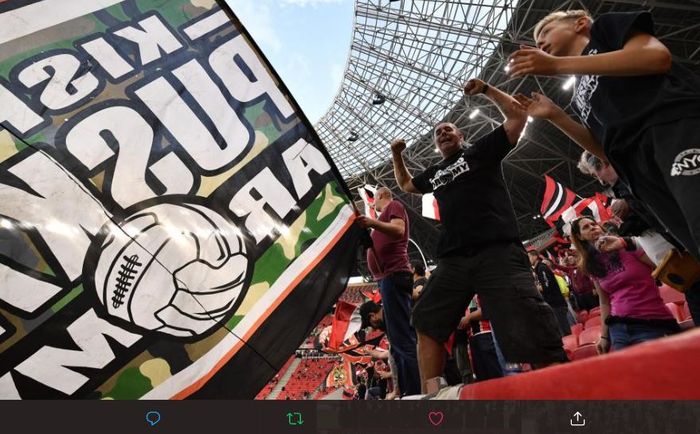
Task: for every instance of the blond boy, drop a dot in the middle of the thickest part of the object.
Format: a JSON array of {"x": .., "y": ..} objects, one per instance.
[{"x": 638, "y": 109}]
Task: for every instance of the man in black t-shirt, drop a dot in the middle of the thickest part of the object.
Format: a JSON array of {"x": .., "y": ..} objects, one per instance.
[
  {"x": 419, "y": 279},
  {"x": 639, "y": 109},
  {"x": 551, "y": 291},
  {"x": 479, "y": 248}
]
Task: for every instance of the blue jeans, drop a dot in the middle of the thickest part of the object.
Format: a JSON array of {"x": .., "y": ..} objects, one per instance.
[
  {"x": 507, "y": 368},
  {"x": 484, "y": 357},
  {"x": 396, "y": 290},
  {"x": 624, "y": 335}
]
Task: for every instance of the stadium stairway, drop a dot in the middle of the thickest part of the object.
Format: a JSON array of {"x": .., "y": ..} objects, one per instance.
[
  {"x": 660, "y": 370},
  {"x": 284, "y": 379}
]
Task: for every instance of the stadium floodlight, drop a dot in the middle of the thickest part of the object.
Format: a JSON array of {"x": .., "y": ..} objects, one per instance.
[
  {"x": 569, "y": 83},
  {"x": 474, "y": 114},
  {"x": 378, "y": 99}
]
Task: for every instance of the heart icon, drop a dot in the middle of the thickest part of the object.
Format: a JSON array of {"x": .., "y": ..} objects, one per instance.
[{"x": 436, "y": 417}]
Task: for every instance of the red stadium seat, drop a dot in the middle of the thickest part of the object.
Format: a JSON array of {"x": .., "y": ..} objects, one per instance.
[
  {"x": 670, "y": 295},
  {"x": 593, "y": 321},
  {"x": 656, "y": 370},
  {"x": 576, "y": 329},
  {"x": 582, "y": 316},
  {"x": 584, "y": 351},
  {"x": 676, "y": 311},
  {"x": 570, "y": 342},
  {"x": 687, "y": 320},
  {"x": 685, "y": 311},
  {"x": 589, "y": 336}
]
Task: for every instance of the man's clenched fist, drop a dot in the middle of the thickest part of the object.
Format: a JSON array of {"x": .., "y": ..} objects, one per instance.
[{"x": 398, "y": 145}]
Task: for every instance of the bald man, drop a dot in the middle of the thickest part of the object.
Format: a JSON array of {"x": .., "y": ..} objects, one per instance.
[
  {"x": 479, "y": 248},
  {"x": 388, "y": 262}
]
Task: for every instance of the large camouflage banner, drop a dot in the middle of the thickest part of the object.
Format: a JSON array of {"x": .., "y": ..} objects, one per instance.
[{"x": 170, "y": 225}]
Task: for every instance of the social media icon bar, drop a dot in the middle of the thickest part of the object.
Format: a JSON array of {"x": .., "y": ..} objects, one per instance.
[
  {"x": 153, "y": 417},
  {"x": 577, "y": 420},
  {"x": 295, "y": 419},
  {"x": 436, "y": 418}
]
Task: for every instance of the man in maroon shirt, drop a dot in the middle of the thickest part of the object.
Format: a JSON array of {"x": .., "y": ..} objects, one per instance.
[{"x": 388, "y": 261}]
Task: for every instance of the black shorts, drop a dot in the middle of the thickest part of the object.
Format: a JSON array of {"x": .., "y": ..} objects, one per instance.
[{"x": 525, "y": 325}]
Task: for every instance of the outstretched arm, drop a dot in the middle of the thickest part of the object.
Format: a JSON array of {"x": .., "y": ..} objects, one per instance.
[
  {"x": 539, "y": 106},
  {"x": 379, "y": 353},
  {"x": 510, "y": 108},
  {"x": 642, "y": 54}
]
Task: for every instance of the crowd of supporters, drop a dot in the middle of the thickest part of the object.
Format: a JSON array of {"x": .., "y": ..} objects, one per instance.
[
  {"x": 486, "y": 311},
  {"x": 600, "y": 315},
  {"x": 485, "y": 307},
  {"x": 599, "y": 312}
]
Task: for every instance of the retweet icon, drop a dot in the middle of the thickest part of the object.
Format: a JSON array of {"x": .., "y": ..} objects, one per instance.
[{"x": 177, "y": 269}]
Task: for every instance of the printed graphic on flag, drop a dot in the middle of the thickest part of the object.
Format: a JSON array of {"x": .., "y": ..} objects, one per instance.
[
  {"x": 345, "y": 336},
  {"x": 177, "y": 226},
  {"x": 340, "y": 375},
  {"x": 367, "y": 193},
  {"x": 346, "y": 322},
  {"x": 595, "y": 207},
  {"x": 555, "y": 201},
  {"x": 371, "y": 294}
]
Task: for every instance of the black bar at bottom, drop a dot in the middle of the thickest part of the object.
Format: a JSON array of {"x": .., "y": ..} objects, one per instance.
[{"x": 352, "y": 417}]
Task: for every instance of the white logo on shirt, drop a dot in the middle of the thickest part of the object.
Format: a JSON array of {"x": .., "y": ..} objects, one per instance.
[
  {"x": 687, "y": 163},
  {"x": 449, "y": 173},
  {"x": 585, "y": 88}
]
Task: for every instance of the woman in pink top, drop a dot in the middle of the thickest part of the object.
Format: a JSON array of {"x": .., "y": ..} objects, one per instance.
[{"x": 632, "y": 310}]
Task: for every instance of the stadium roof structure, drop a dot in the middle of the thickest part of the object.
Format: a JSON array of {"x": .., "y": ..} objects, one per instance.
[{"x": 407, "y": 63}]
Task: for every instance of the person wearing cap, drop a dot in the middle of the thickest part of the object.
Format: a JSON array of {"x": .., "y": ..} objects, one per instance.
[{"x": 479, "y": 249}]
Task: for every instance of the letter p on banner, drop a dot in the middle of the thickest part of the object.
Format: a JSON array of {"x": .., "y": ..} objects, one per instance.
[{"x": 144, "y": 246}]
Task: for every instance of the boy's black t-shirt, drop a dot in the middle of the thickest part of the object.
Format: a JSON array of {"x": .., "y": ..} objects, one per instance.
[
  {"x": 617, "y": 109},
  {"x": 475, "y": 207}
]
